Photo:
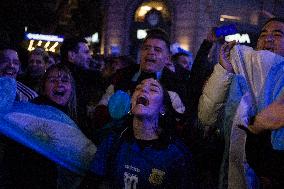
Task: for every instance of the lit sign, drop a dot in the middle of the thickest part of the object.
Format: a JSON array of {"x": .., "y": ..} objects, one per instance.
[
  {"x": 46, "y": 47},
  {"x": 141, "y": 34},
  {"x": 33, "y": 36},
  {"x": 52, "y": 49},
  {"x": 240, "y": 38}
]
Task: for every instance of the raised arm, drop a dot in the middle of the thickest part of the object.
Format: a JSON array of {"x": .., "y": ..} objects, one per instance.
[
  {"x": 270, "y": 118},
  {"x": 214, "y": 93}
]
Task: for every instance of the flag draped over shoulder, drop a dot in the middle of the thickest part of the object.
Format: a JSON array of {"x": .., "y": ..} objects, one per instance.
[
  {"x": 274, "y": 88},
  {"x": 251, "y": 90},
  {"x": 44, "y": 129}
]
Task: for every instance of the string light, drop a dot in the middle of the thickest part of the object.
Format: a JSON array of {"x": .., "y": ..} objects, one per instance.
[{"x": 52, "y": 49}]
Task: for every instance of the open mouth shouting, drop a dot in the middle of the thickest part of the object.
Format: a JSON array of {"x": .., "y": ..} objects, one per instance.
[
  {"x": 150, "y": 60},
  {"x": 58, "y": 90},
  {"x": 59, "y": 93},
  {"x": 60, "y": 96},
  {"x": 142, "y": 101},
  {"x": 10, "y": 72}
]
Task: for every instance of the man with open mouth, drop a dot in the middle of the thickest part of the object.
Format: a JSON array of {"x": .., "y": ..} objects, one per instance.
[
  {"x": 154, "y": 55},
  {"x": 9, "y": 67}
]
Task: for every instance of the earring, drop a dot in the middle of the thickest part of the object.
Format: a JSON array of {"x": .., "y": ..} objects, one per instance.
[{"x": 162, "y": 113}]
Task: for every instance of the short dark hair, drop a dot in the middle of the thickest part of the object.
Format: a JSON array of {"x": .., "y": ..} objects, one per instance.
[
  {"x": 41, "y": 52},
  {"x": 7, "y": 45},
  {"x": 70, "y": 44},
  {"x": 276, "y": 19},
  {"x": 158, "y": 34}
]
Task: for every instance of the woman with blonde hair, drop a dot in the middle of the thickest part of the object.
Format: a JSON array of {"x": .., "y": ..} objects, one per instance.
[{"x": 58, "y": 89}]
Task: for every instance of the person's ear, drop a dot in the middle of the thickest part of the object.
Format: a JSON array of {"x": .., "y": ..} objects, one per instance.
[
  {"x": 71, "y": 56},
  {"x": 168, "y": 58}
]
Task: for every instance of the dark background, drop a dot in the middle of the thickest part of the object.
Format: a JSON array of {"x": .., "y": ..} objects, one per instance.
[{"x": 83, "y": 17}]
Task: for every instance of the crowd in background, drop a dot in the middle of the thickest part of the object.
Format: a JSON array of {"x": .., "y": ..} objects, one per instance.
[{"x": 169, "y": 132}]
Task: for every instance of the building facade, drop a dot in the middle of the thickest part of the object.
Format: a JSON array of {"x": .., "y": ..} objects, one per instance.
[{"x": 186, "y": 21}]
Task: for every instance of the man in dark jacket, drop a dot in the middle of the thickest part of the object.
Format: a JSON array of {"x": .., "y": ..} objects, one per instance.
[
  {"x": 154, "y": 54},
  {"x": 76, "y": 56}
]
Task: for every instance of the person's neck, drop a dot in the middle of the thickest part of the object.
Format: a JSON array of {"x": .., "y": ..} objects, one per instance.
[{"x": 145, "y": 129}]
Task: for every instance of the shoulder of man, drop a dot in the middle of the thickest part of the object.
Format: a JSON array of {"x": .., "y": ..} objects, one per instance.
[
  {"x": 24, "y": 93},
  {"x": 122, "y": 78}
]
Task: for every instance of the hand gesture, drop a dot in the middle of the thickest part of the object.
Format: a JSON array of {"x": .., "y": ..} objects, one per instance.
[
  {"x": 211, "y": 36},
  {"x": 270, "y": 118},
  {"x": 224, "y": 56}
]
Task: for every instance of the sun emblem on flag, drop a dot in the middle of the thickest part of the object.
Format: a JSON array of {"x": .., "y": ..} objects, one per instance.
[
  {"x": 41, "y": 131},
  {"x": 156, "y": 177}
]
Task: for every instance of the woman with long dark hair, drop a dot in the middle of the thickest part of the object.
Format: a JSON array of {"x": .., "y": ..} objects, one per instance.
[{"x": 146, "y": 154}]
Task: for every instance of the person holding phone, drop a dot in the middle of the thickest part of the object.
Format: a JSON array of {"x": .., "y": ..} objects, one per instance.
[{"x": 215, "y": 95}]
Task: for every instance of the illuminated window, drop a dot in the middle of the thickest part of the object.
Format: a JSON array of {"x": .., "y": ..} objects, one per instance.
[
  {"x": 141, "y": 34},
  {"x": 93, "y": 38},
  {"x": 147, "y": 6}
]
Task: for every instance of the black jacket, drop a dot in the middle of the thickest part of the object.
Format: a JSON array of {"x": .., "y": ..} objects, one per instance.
[
  {"x": 89, "y": 89},
  {"x": 265, "y": 161}
]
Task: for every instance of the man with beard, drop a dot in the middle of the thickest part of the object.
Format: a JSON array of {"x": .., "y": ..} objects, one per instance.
[{"x": 9, "y": 67}]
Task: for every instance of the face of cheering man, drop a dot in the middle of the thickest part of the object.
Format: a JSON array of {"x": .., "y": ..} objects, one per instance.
[
  {"x": 82, "y": 56},
  {"x": 9, "y": 63},
  {"x": 272, "y": 38},
  {"x": 154, "y": 55}
]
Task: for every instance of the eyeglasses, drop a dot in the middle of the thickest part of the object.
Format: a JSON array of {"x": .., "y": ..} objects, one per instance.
[{"x": 63, "y": 79}]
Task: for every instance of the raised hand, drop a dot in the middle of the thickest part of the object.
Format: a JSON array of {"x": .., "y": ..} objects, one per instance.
[
  {"x": 270, "y": 118},
  {"x": 211, "y": 36},
  {"x": 224, "y": 56}
]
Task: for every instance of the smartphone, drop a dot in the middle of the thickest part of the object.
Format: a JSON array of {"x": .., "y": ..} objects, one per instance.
[{"x": 226, "y": 30}]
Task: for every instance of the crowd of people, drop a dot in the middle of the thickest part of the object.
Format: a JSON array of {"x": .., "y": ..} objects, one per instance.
[{"x": 163, "y": 122}]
